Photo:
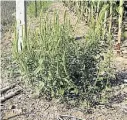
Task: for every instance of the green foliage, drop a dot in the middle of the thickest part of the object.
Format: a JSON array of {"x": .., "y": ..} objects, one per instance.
[{"x": 57, "y": 66}]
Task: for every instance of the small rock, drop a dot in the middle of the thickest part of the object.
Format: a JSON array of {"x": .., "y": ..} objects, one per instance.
[
  {"x": 125, "y": 80},
  {"x": 13, "y": 107}
]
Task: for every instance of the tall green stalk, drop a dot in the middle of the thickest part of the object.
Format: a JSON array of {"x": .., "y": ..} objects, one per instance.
[
  {"x": 111, "y": 12},
  {"x": 120, "y": 24}
]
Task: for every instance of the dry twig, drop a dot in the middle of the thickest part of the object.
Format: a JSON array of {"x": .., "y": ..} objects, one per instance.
[
  {"x": 10, "y": 95},
  {"x": 69, "y": 117},
  {"x": 7, "y": 88}
]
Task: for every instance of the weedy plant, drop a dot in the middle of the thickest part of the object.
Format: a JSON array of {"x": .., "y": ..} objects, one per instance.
[{"x": 57, "y": 66}]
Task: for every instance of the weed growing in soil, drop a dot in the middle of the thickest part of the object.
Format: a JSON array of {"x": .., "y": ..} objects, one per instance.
[{"x": 57, "y": 66}]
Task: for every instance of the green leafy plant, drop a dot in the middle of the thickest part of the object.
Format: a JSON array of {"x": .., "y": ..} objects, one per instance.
[{"x": 58, "y": 66}]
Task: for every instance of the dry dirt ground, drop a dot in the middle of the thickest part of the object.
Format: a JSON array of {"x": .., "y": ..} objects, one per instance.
[{"x": 26, "y": 107}]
